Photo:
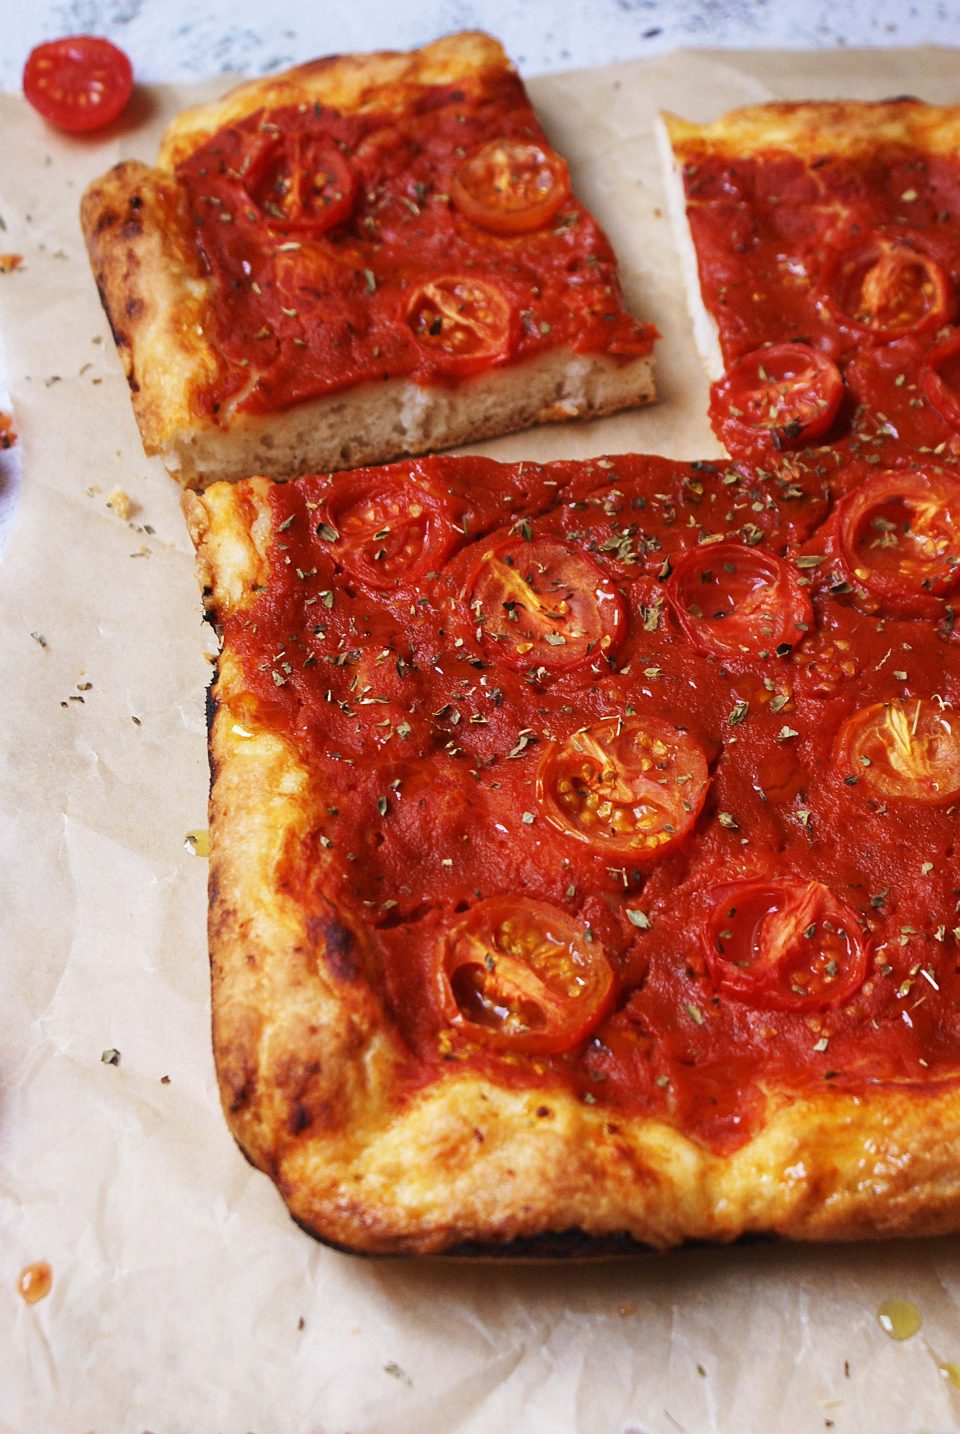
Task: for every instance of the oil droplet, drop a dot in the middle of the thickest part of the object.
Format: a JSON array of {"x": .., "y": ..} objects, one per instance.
[
  {"x": 34, "y": 1282},
  {"x": 198, "y": 842},
  {"x": 951, "y": 1370},
  {"x": 900, "y": 1319}
]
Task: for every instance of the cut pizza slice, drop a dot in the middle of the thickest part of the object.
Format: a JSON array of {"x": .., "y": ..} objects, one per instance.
[
  {"x": 821, "y": 253},
  {"x": 366, "y": 256},
  {"x": 582, "y": 848}
]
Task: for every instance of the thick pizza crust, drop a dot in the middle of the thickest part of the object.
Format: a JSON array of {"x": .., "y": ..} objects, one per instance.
[
  {"x": 307, "y": 1057},
  {"x": 160, "y": 304}
]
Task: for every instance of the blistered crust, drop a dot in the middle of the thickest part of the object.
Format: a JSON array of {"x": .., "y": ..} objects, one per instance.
[
  {"x": 309, "y": 1061},
  {"x": 813, "y": 129}
]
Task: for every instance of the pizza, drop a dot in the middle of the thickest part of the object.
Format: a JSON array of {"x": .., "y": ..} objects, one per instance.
[
  {"x": 583, "y": 850},
  {"x": 365, "y": 256}
]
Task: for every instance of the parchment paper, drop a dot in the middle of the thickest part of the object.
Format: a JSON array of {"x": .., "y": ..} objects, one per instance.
[{"x": 184, "y": 1301}]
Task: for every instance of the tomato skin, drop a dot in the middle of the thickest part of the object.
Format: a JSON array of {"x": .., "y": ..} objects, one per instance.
[
  {"x": 761, "y": 608},
  {"x": 519, "y": 975},
  {"x": 785, "y": 396},
  {"x": 390, "y": 531},
  {"x": 884, "y": 287},
  {"x": 904, "y": 750},
  {"x": 940, "y": 379},
  {"x": 510, "y": 186},
  {"x": 281, "y": 180},
  {"x": 542, "y": 604},
  {"x": 79, "y": 83},
  {"x": 758, "y": 950},
  {"x": 920, "y": 507},
  {"x": 630, "y": 787},
  {"x": 464, "y": 323}
]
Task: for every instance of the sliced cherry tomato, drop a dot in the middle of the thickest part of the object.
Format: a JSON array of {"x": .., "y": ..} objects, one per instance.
[
  {"x": 300, "y": 181},
  {"x": 903, "y": 750},
  {"x": 464, "y": 322},
  {"x": 884, "y": 286},
  {"x": 520, "y": 975},
  {"x": 940, "y": 379},
  {"x": 388, "y": 531},
  {"x": 543, "y": 604},
  {"x": 510, "y": 186},
  {"x": 632, "y": 787},
  {"x": 783, "y": 944},
  {"x": 733, "y": 600},
  {"x": 899, "y": 536},
  {"x": 79, "y": 83},
  {"x": 779, "y": 397}
]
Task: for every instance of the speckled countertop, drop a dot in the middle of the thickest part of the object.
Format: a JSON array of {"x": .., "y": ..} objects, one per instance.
[{"x": 182, "y": 39}]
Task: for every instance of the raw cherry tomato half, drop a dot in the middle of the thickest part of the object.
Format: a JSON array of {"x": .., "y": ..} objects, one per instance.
[
  {"x": 784, "y": 945},
  {"x": 884, "y": 287},
  {"x": 80, "y": 83},
  {"x": 520, "y": 975},
  {"x": 632, "y": 787},
  {"x": 940, "y": 379},
  {"x": 300, "y": 181},
  {"x": 899, "y": 536},
  {"x": 779, "y": 397},
  {"x": 389, "y": 531},
  {"x": 510, "y": 186},
  {"x": 465, "y": 322},
  {"x": 733, "y": 600},
  {"x": 903, "y": 750},
  {"x": 544, "y": 605}
]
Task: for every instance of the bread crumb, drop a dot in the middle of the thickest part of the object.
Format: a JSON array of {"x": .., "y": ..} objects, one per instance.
[{"x": 120, "y": 503}]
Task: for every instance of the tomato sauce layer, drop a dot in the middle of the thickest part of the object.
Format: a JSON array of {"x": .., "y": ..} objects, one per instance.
[
  {"x": 431, "y": 238},
  {"x": 623, "y": 783}
]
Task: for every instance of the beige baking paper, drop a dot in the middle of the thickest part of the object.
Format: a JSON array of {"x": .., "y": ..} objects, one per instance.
[{"x": 184, "y": 1300}]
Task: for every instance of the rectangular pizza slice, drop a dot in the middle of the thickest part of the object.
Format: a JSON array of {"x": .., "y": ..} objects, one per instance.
[
  {"x": 583, "y": 855},
  {"x": 365, "y": 256}
]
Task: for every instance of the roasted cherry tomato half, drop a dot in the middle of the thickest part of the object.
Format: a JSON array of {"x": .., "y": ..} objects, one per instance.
[
  {"x": 732, "y": 600},
  {"x": 385, "y": 530},
  {"x": 301, "y": 182},
  {"x": 784, "y": 945},
  {"x": 632, "y": 787},
  {"x": 520, "y": 975},
  {"x": 79, "y": 83},
  {"x": 464, "y": 322},
  {"x": 899, "y": 536},
  {"x": 884, "y": 287},
  {"x": 510, "y": 186},
  {"x": 780, "y": 397},
  {"x": 905, "y": 750},
  {"x": 544, "y": 605},
  {"x": 940, "y": 379}
]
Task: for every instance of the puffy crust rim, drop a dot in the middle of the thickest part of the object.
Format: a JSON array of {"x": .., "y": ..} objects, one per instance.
[{"x": 813, "y": 129}]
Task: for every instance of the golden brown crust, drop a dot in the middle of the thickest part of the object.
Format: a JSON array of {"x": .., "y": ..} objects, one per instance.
[
  {"x": 813, "y": 129},
  {"x": 307, "y": 1058}
]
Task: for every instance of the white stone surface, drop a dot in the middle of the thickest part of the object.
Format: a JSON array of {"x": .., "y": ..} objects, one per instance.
[{"x": 182, "y": 39}]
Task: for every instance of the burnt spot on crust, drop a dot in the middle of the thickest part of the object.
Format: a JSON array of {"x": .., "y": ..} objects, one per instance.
[
  {"x": 240, "y": 1097},
  {"x": 300, "y": 1118},
  {"x": 132, "y": 227},
  {"x": 136, "y": 202},
  {"x": 119, "y": 338},
  {"x": 105, "y": 220},
  {"x": 133, "y": 308},
  {"x": 337, "y": 944}
]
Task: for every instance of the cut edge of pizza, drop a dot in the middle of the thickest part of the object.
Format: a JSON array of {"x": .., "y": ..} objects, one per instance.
[
  {"x": 310, "y": 1062},
  {"x": 193, "y": 403}
]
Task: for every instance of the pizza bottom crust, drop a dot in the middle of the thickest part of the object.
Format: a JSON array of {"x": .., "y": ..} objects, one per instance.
[{"x": 376, "y": 422}]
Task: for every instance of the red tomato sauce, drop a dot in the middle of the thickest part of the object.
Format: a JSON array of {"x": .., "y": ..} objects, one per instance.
[
  {"x": 428, "y": 750},
  {"x": 306, "y": 307}
]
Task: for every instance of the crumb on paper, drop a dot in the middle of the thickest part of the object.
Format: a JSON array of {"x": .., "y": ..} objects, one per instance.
[
  {"x": 9, "y": 262},
  {"x": 120, "y": 502},
  {"x": 39, "y": 639},
  {"x": 396, "y": 1371},
  {"x": 7, "y": 435},
  {"x": 111, "y": 1056}
]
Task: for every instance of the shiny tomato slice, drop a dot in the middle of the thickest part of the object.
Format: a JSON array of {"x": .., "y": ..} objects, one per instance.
[
  {"x": 779, "y": 397},
  {"x": 732, "y": 600},
  {"x": 520, "y": 975},
  {"x": 510, "y": 186},
  {"x": 905, "y": 750},
  {"x": 884, "y": 286},
  {"x": 543, "y": 605},
  {"x": 899, "y": 536},
  {"x": 78, "y": 83},
  {"x": 632, "y": 787},
  {"x": 300, "y": 181},
  {"x": 387, "y": 530},
  {"x": 784, "y": 945},
  {"x": 940, "y": 379},
  {"x": 464, "y": 322}
]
